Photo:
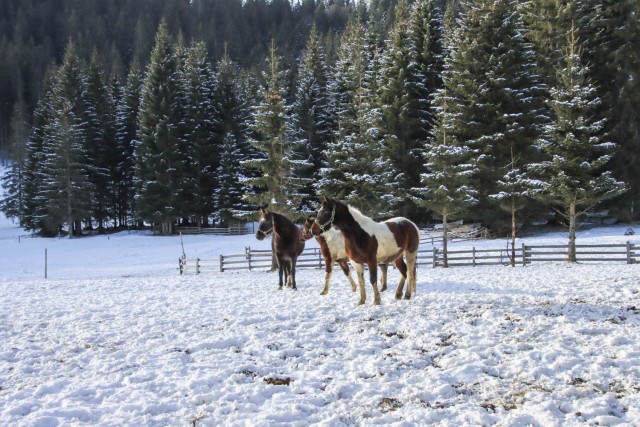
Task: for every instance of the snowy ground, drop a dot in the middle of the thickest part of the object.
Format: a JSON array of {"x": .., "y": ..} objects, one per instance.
[{"x": 115, "y": 336}]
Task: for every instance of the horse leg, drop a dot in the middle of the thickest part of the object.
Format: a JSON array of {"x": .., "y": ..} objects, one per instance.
[
  {"x": 287, "y": 274},
  {"x": 402, "y": 268},
  {"x": 373, "y": 278},
  {"x": 280, "y": 272},
  {"x": 383, "y": 279},
  {"x": 360, "y": 272},
  {"x": 292, "y": 274},
  {"x": 411, "y": 271},
  {"x": 328, "y": 270},
  {"x": 345, "y": 269}
]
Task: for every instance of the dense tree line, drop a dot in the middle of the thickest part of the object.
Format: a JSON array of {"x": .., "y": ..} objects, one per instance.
[{"x": 492, "y": 110}]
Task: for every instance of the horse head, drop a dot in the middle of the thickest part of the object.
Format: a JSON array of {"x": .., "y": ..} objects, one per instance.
[
  {"x": 265, "y": 228},
  {"x": 326, "y": 216},
  {"x": 307, "y": 227}
]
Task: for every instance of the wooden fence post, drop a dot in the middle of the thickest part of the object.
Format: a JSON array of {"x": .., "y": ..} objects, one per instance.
[
  {"x": 197, "y": 265},
  {"x": 524, "y": 255},
  {"x": 249, "y": 258},
  {"x": 629, "y": 259},
  {"x": 180, "y": 265},
  {"x": 473, "y": 255},
  {"x": 221, "y": 263},
  {"x": 435, "y": 257}
]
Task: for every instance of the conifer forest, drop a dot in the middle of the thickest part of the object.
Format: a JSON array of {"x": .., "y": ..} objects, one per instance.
[{"x": 138, "y": 113}]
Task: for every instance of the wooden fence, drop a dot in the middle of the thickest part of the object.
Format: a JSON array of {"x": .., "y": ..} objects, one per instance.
[
  {"x": 253, "y": 259},
  {"x": 217, "y": 231}
]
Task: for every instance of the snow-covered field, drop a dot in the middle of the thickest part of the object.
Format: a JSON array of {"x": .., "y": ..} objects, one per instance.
[{"x": 115, "y": 336}]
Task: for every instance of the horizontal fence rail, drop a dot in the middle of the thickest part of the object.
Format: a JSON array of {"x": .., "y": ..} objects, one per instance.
[{"x": 262, "y": 259}]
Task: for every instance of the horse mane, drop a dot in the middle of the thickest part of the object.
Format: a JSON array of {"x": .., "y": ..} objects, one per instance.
[
  {"x": 283, "y": 221},
  {"x": 366, "y": 223}
]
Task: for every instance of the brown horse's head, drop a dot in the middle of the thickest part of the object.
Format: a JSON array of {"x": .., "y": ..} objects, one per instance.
[
  {"x": 308, "y": 227},
  {"x": 265, "y": 228}
]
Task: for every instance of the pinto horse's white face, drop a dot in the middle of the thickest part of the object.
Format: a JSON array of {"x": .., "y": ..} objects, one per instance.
[{"x": 325, "y": 217}]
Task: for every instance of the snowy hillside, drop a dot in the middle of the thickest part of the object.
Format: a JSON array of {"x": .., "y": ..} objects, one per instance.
[{"x": 116, "y": 337}]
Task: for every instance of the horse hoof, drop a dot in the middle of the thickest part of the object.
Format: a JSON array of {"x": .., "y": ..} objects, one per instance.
[
  {"x": 376, "y": 302},
  {"x": 324, "y": 292},
  {"x": 279, "y": 288},
  {"x": 361, "y": 302},
  {"x": 398, "y": 296},
  {"x": 294, "y": 288},
  {"x": 384, "y": 288},
  {"x": 407, "y": 297}
]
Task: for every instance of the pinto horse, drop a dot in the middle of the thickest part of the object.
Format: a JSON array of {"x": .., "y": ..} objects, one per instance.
[
  {"x": 287, "y": 244},
  {"x": 333, "y": 250},
  {"x": 370, "y": 243},
  {"x": 332, "y": 247}
]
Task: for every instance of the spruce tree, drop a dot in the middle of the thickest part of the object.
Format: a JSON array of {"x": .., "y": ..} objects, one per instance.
[
  {"x": 13, "y": 180},
  {"x": 126, "y": 124},
  {"x": 411, "y": 73},
  {"x": 160, "y": 154},
  {"x": 232, "y": 132},
  {"x": 99, "y": 118},
  {"x": 200, "y": 126},
  {"x": 313, "y": 113},
  {"x": 496, "y": 96},
  {"x": 66, "y": 187},
  {"x": 576, "y": 173},
  {"x": 358, "y": 170},
  {"x": 280, "y": 188},
  {"x": 610, "y": 35},
  {"x": 449, "y": 167}
]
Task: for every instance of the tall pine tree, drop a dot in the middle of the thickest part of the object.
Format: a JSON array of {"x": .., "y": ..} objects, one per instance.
[
  {"x": 160, "y": 150},
  {"x": 280, "y": 188},
  {"x": 575, "y": 172}
]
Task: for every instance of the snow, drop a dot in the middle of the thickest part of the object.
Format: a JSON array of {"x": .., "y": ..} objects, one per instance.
[{"x": 115, "y": 336}]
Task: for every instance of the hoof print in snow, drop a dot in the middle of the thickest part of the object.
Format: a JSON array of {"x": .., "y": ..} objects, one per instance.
[
  {"x": 389, "y": 404},
  {"x": 278, "y": 381}
]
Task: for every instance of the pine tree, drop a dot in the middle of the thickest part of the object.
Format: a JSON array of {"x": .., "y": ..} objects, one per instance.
[
  {"x": 610, "y": 34},
  {"x": 13, "y": 181},
  {"x": 99, "y": 118},
  {"x": 495, "y": 95},
  {"x": 160, "y": 154},
  {"x": 358, "y": 171},
  {"x": 33, "y": 212},
  {"x": 127, "y": 109},
  {"x": 575, "y": 174},
  {"x": 449, "y": 166},
  {"x": 313, "y": 113},
  {"x": 515, "y": 188},
  {"x": 201, "y": 123},
  {"x": 66, "y": 187},
  {"x": 411, "y": 68},
  {"x": 280, "y": 188},
  {"x": 233, "y": 139}
]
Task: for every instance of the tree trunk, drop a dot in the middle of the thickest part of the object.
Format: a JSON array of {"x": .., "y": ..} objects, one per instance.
[
  {"x": 513, "y": 232},
  {"x": 445, "y": 237},
  {"x": 572, "y": 232}
]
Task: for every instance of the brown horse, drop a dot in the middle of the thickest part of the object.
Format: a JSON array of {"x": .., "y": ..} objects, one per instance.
[
  {"x": 369, "y": 243},
  {"x": 333, "y": 250},
  {"x": 287, "y": 244}
]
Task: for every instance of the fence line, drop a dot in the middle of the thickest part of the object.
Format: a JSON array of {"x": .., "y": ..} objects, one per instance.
[{"x": 261, "y": 259}]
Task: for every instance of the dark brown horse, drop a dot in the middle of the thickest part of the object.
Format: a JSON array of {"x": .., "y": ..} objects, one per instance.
[
  {"x": 287, "y": 244},
  {"x": 370, "y": 243},
  {"x": 333, "y": 250}
]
